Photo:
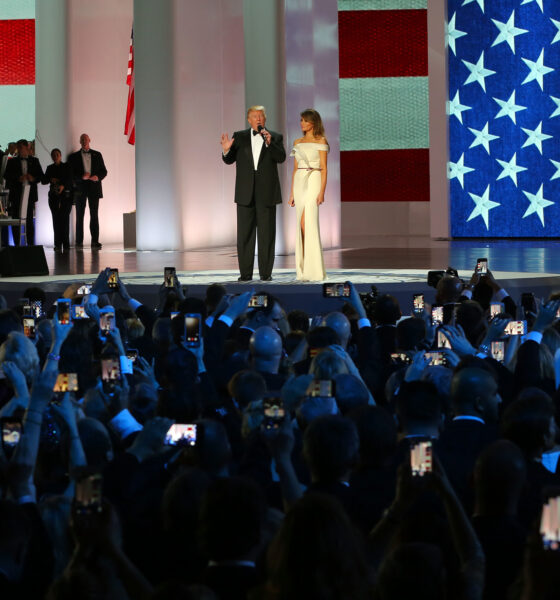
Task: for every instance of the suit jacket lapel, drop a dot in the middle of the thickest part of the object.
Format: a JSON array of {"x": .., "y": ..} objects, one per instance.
[{"x": 248, "y": 147}]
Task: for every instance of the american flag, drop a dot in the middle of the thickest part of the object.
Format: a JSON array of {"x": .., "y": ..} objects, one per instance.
[
  {"x": 129, "y": 125},
  {"x": 384, "y": 115},
  {"x": 504, "y": 117}
]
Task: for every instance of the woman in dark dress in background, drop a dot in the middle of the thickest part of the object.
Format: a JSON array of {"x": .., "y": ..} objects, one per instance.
[{"x": 59, "y": 179}]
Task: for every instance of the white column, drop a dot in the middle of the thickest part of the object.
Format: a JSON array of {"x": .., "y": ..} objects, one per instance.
[
  {"x": 51, "y": 107},
  {"x": 311, "y": 30},
  {"x": 158, "y": 216},
  {"x": 439, "y": 136}
]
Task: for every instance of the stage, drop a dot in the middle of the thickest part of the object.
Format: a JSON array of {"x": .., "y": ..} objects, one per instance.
[{"x": 396, "y": 265}]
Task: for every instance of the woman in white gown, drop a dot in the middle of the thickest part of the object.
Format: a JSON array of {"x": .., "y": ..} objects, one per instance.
[{"x": 309, "y": 181}]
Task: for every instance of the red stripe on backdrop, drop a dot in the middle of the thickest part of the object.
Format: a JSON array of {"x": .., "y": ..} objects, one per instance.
[
  {"x": 383, "y": 43},
  {"x": 385, "y": 175},
  {"x": 17, "y": 52}
]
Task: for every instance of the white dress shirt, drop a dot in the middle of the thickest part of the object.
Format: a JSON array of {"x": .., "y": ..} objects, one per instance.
[
  {"x": 256, "y": 146},
  {"x": 86, "y": 160}
]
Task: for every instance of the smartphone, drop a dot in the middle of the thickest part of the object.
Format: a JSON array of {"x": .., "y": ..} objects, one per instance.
[
  {"x": 550, "y": 524},
  {"x": 132, "y": 354},
  {"x": 193, "y": 330},
  {"x": 37, "y": 309},
  {"x": 110, "y": 371},
  {"x": 421, "y": 458},
  {"x": 169, "y": 277},
  {"x": 443, "y": 340},
  {"x": 418, "y": 304},
  {"x": 88, "y": 495},
  {"x": 26, "y": 309},
  {"x": 321, "y": 388},
  {"x": 497, "y": 350},
  {"x": 113, "y": 280},
  {"x": 12, "y": 429},
  {"x": 482, "y": 266},
  {"x": 274, "y": 412},
  {"x": 401, "y": 357},
  {"x": 63, "y": 306},
  {"x": 29, "y": 327},
  {"x": 66, "y": 382},
  {"x": 528, "y": 302},
  {"x": 336, "y": 290},
  {"x": 516, "y": 328},
  {"x": 258, "y": 301},
  {"x": 496, "y": 308},
  {"x": 106, "y": 322},
  {"x": 437, "y": 315},
  {"x": 78, "y": 312},
  {"x": 84, "y": 290},
  {"x": 181, "y": 435},
  {"x": 436, "y": 358}
]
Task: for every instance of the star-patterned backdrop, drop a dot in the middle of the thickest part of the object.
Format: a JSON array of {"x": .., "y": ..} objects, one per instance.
[{"x": 504, "y": 117}]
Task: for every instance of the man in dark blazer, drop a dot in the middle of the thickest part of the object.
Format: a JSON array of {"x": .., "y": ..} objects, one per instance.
[
  {"x": 88, "y": 170},
  {"x": 23, "y": 171},
  {"x": 256, "y": 153}
]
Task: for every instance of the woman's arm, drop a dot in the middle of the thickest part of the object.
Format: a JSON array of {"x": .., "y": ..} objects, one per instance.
[{"x": 323, "y": 159}]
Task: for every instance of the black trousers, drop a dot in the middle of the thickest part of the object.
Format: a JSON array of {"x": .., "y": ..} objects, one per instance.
[
  {"x": 260, "y": 221},
  {"x": 87, "y": 194},
  {"x": 61, "y": 206}
]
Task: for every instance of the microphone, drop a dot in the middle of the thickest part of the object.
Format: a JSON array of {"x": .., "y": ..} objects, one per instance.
[{"x": 261, "y": 130}]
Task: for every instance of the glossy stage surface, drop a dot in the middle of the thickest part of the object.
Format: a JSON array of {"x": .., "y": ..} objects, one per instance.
[{"x": 396, "y": 265}]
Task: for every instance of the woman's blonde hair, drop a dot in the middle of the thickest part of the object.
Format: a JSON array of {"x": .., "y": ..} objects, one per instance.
[{"x": 22, "y": 352}]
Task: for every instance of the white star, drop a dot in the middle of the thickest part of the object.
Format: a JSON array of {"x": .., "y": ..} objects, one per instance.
[
  {"x": 556, "y": 113},
  {"x": 510, "y": 169},
  {"x": 452, "y": 34},
  {"x": 557, "y": 165},
  {"x": 509, "y": 108},
  {"x": 538, "y": 203},
  {"x": 557, "y": 36},
  {"x": 480, "y": 3},
  {"x": 535, "y": 136},
  {"x": 478, "y": 72},
  {"x": 483, "y": 204},
  {"x": 482, "y": 138},
  {"x": 458, "y": 170},
  {"x": 539, "y": 2},
  {"x": 454, "y": 107},
  {"x": 537, "y": 70},
  {"x": 508, "y": 31}
]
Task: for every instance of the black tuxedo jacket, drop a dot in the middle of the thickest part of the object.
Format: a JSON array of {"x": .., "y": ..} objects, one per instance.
[
  {"x": 97, "y": 168},
  {"x": 264, "y": 184},
  {"x": 14, "y": 172}
]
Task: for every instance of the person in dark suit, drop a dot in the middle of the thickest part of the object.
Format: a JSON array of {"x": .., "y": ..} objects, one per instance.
[
  {"x": 257, "y": 190},
  {"x": 58, "y": 177},
  {"x": 21, "y": 172},
  {"x": 88, "y": 170}
]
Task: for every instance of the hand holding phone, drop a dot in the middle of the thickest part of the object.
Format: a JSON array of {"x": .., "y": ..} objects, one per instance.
[
  {"x": 274, "y": 412},
  {"x": 481, "y": 266},
  {"x": 63, "y": 306},
  {"x": 193, "y": 330},
  {"x": 336, "y": 290},
  {"x": 180, "y": 434},
  {"x": 169, "y": 277}
]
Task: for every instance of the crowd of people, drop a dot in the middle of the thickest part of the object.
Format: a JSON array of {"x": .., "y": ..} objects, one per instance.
[
  {"x": 221, "y": 448},
  {"x": 77, "y": 181}
]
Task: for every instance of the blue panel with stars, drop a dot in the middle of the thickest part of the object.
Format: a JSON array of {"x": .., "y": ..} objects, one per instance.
[{"x": 504, "y": 117}]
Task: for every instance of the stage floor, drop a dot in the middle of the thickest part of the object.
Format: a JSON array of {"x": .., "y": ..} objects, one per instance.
[{"x": 396, "y": 265}]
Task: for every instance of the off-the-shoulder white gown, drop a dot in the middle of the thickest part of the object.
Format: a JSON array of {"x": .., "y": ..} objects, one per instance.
[{"x": 310, "y": 265}]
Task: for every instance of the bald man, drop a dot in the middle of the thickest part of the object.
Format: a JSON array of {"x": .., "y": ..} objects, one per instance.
[
  {"x": 341, "y": 325},
  {"x": 88, "y": 170},
  {"x": 265, "y": 347}
]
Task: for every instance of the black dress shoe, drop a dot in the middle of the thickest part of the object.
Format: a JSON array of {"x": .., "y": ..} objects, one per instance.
[
  {"x": 96, "y": 246},
  {"x": 244, "y": 278},
  {"x": 269, "y": 278}
]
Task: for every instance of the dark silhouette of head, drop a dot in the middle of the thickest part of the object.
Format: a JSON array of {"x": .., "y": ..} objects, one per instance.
[{"x": 474, "y": 392}]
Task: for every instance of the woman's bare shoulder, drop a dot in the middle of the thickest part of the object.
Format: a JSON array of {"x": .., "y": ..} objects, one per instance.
[{"x": 298, "y": 141}]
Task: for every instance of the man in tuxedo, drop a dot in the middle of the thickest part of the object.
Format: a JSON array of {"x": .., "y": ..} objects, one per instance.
[
  {"x": 23, "y": 171},
  {"x": 88, "y": 170},
  {"x": 256, "y": 153}
]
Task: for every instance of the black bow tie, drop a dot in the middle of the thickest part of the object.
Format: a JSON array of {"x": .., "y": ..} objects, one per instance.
[
  {"x": 255, "y": 132},
  {"x": 85, "y": 151}
]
